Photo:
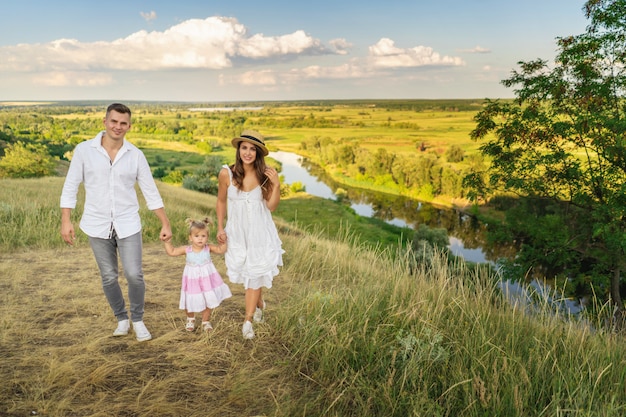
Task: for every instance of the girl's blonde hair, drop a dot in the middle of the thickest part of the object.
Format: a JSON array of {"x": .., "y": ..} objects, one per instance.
[{"x": 198, "y": 224}]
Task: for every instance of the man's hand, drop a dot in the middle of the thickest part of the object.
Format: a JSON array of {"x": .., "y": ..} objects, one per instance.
[
  {"x": 166, "y": 233},
  {"x": 67, "y": 232}
]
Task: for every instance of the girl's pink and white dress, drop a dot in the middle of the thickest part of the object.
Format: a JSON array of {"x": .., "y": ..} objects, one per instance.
[
  {"x": 254, "y": 248},
  {"x": 202, "y": 286}
]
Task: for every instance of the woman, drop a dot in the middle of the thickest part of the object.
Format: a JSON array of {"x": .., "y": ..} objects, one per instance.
[{"x": 249, "y": 190}]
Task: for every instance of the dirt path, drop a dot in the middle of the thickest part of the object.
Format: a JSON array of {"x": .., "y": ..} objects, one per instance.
[{"x": 59, "y": 358}]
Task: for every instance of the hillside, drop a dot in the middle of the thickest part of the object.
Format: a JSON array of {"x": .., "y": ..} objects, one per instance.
[{"x": 350, "y": 331}]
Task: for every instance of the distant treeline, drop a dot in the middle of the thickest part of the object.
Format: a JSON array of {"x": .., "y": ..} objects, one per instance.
[{"x": 90, "y": 106}]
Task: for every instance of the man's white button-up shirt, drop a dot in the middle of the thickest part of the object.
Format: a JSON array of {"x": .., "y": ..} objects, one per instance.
[{"x": 110, "y": 196}]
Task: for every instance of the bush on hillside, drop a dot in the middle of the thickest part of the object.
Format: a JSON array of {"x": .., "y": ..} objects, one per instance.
[{"x": 26, "y": 161}]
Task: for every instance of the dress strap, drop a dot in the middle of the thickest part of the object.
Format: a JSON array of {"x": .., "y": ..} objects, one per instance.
[{"x": 230, "y": 173}]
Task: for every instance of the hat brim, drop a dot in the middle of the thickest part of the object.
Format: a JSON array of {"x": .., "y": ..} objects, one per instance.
[{"x": 235, "y": 142}]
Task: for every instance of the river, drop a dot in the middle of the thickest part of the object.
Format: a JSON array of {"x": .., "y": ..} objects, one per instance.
[{"x": 467, "y": 236}]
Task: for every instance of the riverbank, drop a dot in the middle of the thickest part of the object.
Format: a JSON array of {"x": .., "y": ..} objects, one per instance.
[{"x": 340, "y": 177}]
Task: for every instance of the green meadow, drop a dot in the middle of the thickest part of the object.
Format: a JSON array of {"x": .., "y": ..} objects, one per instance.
[
  {"x": 352, "y": 329},
  {"x": 409, "y": 130}
]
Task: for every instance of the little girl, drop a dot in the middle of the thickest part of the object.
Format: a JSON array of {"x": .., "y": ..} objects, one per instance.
[{"x": 202, "y": 287}]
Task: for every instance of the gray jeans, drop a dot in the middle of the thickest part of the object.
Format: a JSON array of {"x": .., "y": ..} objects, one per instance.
[{"x": 129, "y": 249}]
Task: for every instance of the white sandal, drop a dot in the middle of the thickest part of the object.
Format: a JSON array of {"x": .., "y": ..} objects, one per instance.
[
  {"x": 191, "y": 324},
  {"x": 207, "y": 326}
]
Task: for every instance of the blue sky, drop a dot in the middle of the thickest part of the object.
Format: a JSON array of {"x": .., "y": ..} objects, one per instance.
[{"x": 229, "y": 50}]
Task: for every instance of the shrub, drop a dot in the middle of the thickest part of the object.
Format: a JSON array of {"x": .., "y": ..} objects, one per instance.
[
  {"x": 455, "y": 154},
  {"x": 26, "y": 161}
]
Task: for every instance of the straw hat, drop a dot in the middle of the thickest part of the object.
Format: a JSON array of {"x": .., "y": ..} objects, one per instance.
[{"x": 251, "y": 136}]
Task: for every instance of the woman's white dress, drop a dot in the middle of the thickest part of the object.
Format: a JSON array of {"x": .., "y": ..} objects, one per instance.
[{"x": 254, "y": 249}]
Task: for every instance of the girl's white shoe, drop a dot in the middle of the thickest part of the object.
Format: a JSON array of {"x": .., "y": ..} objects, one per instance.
[{"x": 191, "y": 324}]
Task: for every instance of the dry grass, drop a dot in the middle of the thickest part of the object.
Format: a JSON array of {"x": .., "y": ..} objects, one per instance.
[{"x": 60, "y": 359}]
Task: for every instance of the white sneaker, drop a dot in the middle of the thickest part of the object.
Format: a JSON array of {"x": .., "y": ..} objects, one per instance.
[
  {"x": 247, "y": 330},
  {"x": 141, "y": 332},
  {"x": 258, "y": 313},
  {"x": 122, "y": 328}
]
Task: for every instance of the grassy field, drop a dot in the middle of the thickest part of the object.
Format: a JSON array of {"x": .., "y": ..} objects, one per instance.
[
  {"x": 379, "y": 128},
  {"x": 349, "y": 331},
  {"x": 370, "y": 126},
  {"x": 177, "y": 138}
]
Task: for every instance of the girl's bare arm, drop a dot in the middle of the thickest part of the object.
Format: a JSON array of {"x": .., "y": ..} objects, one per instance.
[
  {"x": 219, "y": 249},
  {"x": 172, "y": 251}
]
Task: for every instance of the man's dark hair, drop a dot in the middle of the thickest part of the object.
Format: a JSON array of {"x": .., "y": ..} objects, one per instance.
[{"x": 118, "y": 107}]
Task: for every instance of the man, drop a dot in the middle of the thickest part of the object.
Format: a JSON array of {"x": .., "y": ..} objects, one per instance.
[{"x": 109, "y": 167}]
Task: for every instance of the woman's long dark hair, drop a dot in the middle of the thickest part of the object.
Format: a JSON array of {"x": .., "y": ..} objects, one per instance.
[{"x": 259, "y": 169}]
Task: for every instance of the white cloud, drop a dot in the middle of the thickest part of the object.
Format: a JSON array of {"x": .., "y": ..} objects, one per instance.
[
  {"x": 385, "y": 54},
  {"x": 212, "y": 43},
  {"x": 338, "y": 72},
  {"x": 265, "y": 77},
  {"x": 216, "y": 43},
  {"x": 477, "y": 50},
  {"x": 66, "y": 79},
  {"x": 296, "y": 75},
  {"x": 383, "y": 59},
  {"x": 340, "y": 46},
  {"x": 148, "y": 16},
  {"x": 259, "y": 46}
]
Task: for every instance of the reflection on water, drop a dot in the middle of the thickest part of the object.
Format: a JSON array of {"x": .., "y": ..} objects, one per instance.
[
  {"x": 458, "y": 249},
  {"x": 293, "y": 171}
]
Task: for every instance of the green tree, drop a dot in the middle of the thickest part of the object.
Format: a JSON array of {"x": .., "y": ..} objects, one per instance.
[
  {"x": 26, "y": 161},
  {"x": 204, "y": 178},
  {"x": 454, "y": 154},
  {"x": 561, "y": 145}
]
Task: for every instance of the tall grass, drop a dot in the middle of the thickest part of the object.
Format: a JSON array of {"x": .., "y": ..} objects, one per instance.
[
  {"x": 375, "y": 338},
  {"x": 350, "y": 331},
  {"x": 30, "y": 217},
  {"x": 29, "y": 213}
]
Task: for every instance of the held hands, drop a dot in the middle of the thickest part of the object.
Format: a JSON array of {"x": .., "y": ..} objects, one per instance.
[
  {"x": 166, "y": 234},
  {"x": 221, "y": 237}
]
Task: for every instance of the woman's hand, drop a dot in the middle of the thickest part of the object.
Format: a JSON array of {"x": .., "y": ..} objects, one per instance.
[
  {"x": 272, "y": 174},
  {"x": 221, "y": 236}
]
